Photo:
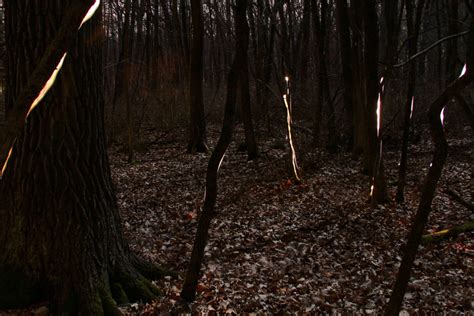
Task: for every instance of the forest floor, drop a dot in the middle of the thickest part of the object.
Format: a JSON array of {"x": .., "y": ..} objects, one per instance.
[{"x": 281, "y": 247}]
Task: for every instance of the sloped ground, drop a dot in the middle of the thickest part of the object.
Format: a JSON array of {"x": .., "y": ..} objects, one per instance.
[{"x": 278, "y": 247}]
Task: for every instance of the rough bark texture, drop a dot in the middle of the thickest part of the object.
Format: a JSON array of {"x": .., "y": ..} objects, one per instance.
[
  {"x": 20, "y": 97},
  {"x": 197, "y": 136},
  {"x": 60, "y": 233},
  {"x": 188, "y": 292}
]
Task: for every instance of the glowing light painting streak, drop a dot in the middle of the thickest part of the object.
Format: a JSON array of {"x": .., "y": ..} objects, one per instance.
[
  {"x": 412, "y": 107},
  {"x": 51, "y": 79},
  {"x": 378, "y": 112},
  {"x": 48, "y": 85},
  {"x": 220, "y": 163},
  {"x": 90, "y": 13},
  {"x": 441, "y": 116},
  {"x": 290, "y": 138},
  {"x": 379, "y": 124},
  {"x": 464, "y": 70}
]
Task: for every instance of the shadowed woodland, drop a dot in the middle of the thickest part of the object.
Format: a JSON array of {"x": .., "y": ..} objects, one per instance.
[{"x": 236, "y": 157}]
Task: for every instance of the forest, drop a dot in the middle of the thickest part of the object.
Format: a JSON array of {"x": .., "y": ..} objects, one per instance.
[{"x": 228, "y": 157}]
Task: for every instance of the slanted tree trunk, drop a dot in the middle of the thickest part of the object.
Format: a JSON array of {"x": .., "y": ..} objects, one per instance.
[
  {"x": 188, "y": 292},
  {"x": 60, "y": 232},
  {"x": 431, "y": 182},
  {"x": 197, "y": 129}
]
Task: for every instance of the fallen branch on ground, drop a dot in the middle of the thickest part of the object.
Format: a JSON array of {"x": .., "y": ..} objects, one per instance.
[
  {"x": 447, "y": 233},
  {"x": 459, "y": 199}
]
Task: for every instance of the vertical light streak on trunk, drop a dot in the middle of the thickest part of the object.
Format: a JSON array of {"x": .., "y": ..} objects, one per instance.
[
  {"x": 290, "y": 138},
  {"x": 220, "y": 162},
  {"x": 287, "y": 80},
  {"x": 441, "y": 116},
  {"x": 412, "y": 108},
  {"x": 463, "y": 72},
  {"x": 379, "y": 137},
  {"x": 378, "y": 111},
  {"x": 51, "y": 80}
]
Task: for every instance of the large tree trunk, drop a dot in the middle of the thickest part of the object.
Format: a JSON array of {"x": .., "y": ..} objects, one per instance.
[
  {"x": 60, "y": 233},
  {"x": 197, "y": 136}
]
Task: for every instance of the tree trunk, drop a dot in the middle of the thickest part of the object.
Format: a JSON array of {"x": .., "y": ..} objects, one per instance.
[
  {"x": 250, "y": 141},
  {"x": 431, "y": 182},
  {"x": 60, "y": 233},
  {"x": 188, "y": 292},
  {"x": 374, "y": 151},
  {"x": 197, "y": 130},
  {"x": 342, "y": 17},
  {"x": 123, "y": 77},
  {"x": 413, "y": 27}
]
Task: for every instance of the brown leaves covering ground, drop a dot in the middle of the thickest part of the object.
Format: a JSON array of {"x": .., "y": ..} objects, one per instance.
[{"x": 278, "y": 247}]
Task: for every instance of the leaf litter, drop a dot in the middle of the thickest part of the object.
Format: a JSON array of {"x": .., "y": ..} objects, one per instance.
[{"x": 280, "y": 247}]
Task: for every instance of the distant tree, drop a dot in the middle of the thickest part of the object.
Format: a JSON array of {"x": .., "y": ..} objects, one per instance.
[
  {"x": 188, "y": 293},
  {"x": 197, "y": 128},
  {"x": 413, "y": 28},
  {"x": 343, "y": 28},
  {"x": 123, "y": 73},
  {"x": 245, "y": 100},
  {"x": 60, "y": 231}
]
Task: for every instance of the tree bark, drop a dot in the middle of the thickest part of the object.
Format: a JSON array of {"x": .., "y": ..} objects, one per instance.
[
  {"x": 188, "y": 292},
  {"x": 431, "y": 182},
  {"x": 19, "y": 98},
  {"x": 197, "y": 131},
  {"x": 343, "y": 27},
  {"x": 252, "y": 151},
  {"x": 413, "y": 27},
  {"x": 60, "y": 233},
  {"x": 374, "y": 153}
]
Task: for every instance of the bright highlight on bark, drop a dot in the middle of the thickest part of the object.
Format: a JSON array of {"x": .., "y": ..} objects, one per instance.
[
  {"x": 463, "y": 72},
  {"x": 47, "y": 86},
  {"x": 6, "y": 162},
  {"x": 412, "y": 107},
  {"x": 290, "y": 138},
  {"x": 441, "y": 116},
  {"x": 90, "y": 13},
  {"x": 220, "y": 162},
  {"x": 51, "y": 79},
  {"x": 379, "y": 139},
  {"x": 379, "y": 108}
]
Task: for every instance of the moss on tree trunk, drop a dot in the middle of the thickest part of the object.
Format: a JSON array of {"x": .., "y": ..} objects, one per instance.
[{"x": 60, "y": 231}]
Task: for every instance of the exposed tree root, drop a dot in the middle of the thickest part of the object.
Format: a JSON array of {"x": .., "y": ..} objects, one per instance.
[
  {"x": 447, "y": 233},
  {"x": 85, "y": 294}
]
